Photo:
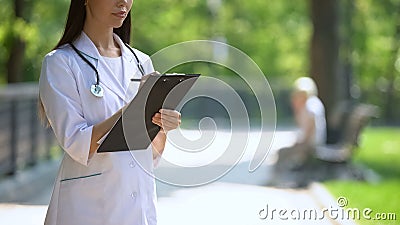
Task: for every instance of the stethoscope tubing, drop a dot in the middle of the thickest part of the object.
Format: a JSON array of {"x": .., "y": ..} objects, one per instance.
[
  {"x": 138, "y": 64},
  {"x": 87, "y": 61}
]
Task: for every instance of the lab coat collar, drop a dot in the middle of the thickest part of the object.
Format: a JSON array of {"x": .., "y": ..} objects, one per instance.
[
  {"x": 130, "y": 69},
  {"x": 126, "y": 53},
  {"x": 86, "y": 46}
]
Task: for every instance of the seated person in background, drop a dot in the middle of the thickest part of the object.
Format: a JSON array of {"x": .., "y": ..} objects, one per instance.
[
  {"x": 309, "y": 115},
  {"x": 309, "y": 112}
]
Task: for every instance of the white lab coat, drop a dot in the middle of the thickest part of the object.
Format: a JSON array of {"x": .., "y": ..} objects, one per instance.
[{"x": 107, "y": 188}]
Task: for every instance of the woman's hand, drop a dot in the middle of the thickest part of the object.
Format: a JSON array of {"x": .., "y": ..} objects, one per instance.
[{"x": 167, "y": 119}]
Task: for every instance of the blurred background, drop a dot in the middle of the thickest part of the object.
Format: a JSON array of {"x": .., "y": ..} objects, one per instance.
[{"x": 351, "y": 48}]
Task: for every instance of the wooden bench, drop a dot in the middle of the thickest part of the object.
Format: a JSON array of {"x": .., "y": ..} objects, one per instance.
[
  {"x": 331, "y": 161},
  {"x": 344, "y": 149}
]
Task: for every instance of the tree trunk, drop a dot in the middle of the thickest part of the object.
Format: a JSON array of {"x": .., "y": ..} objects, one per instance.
[
  {"x": 325, "y": 52},
  {"x": 346, "y": 48},
  {"x": 389, "y": 110},
  {"x": 15, "y": 61},
  {"x": 17, "y": 49}
]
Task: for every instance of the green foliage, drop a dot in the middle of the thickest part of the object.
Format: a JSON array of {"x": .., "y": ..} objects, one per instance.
[
  {"x": 158, "y": 24},
  {"x": 40, "y": 32},
  {"x": 375, "y": 50},
  {"x": 275, "y": 34},
  {"x": 5, "y": 14}
]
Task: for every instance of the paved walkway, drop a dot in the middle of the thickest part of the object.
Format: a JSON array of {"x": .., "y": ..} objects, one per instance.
[{"x": 239, "y": 197}]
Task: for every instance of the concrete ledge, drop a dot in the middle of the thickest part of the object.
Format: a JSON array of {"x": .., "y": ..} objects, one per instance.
[{"x": 326, "y": 200}]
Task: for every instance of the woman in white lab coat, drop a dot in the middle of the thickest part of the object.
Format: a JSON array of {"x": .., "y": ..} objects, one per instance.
[{"x": 84, "y": 84}]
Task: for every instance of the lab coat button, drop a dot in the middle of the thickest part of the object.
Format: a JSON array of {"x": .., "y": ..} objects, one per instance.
[
  {"x": 132, "y": 164},
  {"x": 134, "y": 194}
]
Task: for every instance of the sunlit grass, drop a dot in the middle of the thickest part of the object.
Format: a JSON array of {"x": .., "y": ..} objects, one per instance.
[{"x": 379, "y": 151}]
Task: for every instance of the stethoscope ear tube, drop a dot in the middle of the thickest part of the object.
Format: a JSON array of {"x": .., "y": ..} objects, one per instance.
[
  {"x": 87, "y": 61},
  {"x": 138, "y": 64},
  {"x": 96, "y": 89}
]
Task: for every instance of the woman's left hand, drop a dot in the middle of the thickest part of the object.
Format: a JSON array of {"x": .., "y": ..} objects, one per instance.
[{"x": 167, "y": 119}]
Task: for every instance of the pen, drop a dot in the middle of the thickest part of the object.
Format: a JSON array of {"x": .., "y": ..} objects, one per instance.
[{"x": 136, "y": 79}]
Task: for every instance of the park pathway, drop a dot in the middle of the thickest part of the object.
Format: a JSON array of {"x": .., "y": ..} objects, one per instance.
[{"x": 238, "y": 198}]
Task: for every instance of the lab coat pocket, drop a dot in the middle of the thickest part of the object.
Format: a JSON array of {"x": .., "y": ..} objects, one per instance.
[{"x": 81, "y": 200}]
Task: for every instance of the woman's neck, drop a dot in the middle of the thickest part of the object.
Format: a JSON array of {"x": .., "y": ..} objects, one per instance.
[{"x": 103, "y": 39}]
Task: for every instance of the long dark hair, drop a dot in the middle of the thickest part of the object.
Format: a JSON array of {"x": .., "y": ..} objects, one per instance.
[
  {"x": 73, "y": 28},
  {"x": 76, "y": 20}
]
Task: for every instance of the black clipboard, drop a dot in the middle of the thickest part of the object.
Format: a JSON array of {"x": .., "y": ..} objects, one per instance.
[{"x": 134, "y": 130}]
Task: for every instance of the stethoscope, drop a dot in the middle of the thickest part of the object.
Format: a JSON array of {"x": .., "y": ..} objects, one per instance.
[{"x": 96, "y": 89}]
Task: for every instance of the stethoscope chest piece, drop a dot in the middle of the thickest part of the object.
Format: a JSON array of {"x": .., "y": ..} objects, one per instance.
[{"x": 97, "y": 90}]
